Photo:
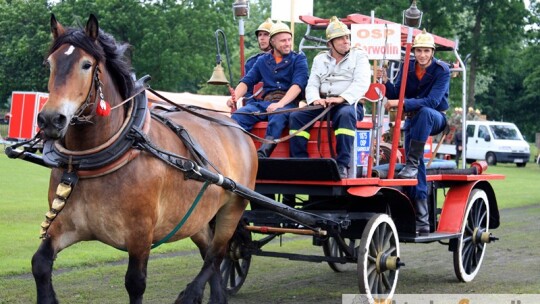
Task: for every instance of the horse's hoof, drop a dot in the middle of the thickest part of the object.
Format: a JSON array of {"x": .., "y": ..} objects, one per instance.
[{"x": 187, "y": 296}]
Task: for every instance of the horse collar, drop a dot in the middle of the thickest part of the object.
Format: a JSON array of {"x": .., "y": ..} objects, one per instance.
[{"x": 107, "y": 158}]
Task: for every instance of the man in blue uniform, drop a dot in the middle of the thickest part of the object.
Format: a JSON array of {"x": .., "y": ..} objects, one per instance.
[
  {"x": 339, "y": 77},
  {"x": 284, "y": 75},
  {"x": 426, "y": 100},
  {"x": 263, "y": 39}
]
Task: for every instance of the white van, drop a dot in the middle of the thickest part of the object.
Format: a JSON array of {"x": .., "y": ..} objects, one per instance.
[{"x": 493, "y": 141}]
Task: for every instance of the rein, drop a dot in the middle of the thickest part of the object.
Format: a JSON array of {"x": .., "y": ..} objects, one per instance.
[{"x": 233, "y": 125}]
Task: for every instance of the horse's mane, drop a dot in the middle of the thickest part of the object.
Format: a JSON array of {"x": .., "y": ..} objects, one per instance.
[{"x": 107, "y": 50}]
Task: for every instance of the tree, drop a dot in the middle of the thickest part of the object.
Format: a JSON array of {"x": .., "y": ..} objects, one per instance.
[
  {"x": 23, "y": 45},
  {"x": 490, "y": 29}
]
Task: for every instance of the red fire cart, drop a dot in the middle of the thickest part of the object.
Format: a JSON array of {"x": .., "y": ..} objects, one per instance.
[{"x": 362, "y": 219}]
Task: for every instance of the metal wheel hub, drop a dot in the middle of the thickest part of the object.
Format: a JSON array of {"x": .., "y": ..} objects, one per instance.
[
  {"x": 481, "y": 236},
  {"x": 385, "y": 262}
]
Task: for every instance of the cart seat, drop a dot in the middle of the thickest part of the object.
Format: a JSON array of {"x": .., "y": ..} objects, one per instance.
[{"x": 282, "y": 149}]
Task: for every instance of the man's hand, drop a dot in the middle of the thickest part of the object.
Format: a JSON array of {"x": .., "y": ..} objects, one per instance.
[
  {"x": 230, "y": 103},
  {"x": 321, "y": 102},
  {"x": 335, "y": 100},
  {"x": 274, "y": 106},
  {"x": 392, "y": 103},
  {"x": 381, "y": 73}
]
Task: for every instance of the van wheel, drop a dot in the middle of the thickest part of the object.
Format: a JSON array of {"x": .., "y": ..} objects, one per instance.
[{"x": 491, "y": 159}]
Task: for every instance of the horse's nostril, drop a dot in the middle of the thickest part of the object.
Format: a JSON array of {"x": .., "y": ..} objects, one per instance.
[
  {"x": 59, "y": 121},
  {"x": 41, "y": 121}
]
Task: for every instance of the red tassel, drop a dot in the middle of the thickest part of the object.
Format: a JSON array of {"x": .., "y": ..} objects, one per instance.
[{"x": 103, "y": 108}]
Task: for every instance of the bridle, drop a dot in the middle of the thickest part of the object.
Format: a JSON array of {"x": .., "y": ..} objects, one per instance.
[{"x": 79, "y": 118}]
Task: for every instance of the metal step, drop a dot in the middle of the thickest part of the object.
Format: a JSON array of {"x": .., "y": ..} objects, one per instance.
[{"x": 432, "y": 237}]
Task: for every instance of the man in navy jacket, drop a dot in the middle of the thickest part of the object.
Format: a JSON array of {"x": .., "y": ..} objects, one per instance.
[{"x": 426, "y": 100}]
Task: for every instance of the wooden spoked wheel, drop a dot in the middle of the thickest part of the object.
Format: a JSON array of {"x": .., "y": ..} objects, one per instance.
[
  {"x": 378, "y": 259},
  {"x": 331, "y": 249},
  {"x": 471, "y": 246},
  {"x": 235, "y": 265}
]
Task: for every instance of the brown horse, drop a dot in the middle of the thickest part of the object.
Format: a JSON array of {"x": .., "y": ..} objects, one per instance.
[{"x": 127, "y": 197}]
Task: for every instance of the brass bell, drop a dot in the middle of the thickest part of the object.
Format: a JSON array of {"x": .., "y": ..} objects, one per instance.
[{"x": 218, "y": 76}]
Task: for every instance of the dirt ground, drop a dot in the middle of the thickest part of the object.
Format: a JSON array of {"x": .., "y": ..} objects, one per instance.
[{"x": 511, "y": 266}]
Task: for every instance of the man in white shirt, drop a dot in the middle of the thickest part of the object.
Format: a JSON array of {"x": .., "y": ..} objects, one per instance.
[{"x": 341, "y": 77}]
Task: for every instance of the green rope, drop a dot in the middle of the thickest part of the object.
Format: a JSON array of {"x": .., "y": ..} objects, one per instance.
[{"x": 184, "y": 219}]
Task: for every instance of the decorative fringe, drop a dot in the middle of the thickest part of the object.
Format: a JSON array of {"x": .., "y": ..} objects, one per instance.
[{"x": 62, "y": 192}]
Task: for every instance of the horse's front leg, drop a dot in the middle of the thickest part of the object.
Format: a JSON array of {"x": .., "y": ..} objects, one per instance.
[
  {"x": 42, "y": 263},
  {"x": 135, "y": 280}
]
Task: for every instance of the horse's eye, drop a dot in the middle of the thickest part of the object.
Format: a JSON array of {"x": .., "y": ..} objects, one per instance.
[{"x": 86, "y": 65}]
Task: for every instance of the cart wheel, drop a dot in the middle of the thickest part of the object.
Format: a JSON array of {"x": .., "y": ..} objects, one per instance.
[
  {"x": 331, "y": 249},
  {"x": 471, "y": 245},
  {"x": 235, "y": 265},
  {"x": 378, "y": 259}
]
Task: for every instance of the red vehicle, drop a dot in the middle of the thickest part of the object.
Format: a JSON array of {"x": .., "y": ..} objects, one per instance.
[
  {"x": 23, "y": 116},
  {"x": 362, "y": 219}
]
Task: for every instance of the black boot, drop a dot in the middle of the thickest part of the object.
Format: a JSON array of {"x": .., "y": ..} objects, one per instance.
[
  {"x": 266, "y": 149},
  {"x": 422, "y": 216},
  {"x": 414, "y": 156}
]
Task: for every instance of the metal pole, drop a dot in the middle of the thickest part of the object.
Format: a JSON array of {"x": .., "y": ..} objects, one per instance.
[
  {"x": 463, "y": 112},
  {"x": 397, "y": 126},
  {"x": 241, "y": 33},
  {"x": 292, "y": 24}
]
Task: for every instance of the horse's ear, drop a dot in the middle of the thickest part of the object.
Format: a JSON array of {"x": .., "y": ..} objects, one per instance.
[
  {"x": 92, "y": 27},
  {"x": 57, "y": 29}
]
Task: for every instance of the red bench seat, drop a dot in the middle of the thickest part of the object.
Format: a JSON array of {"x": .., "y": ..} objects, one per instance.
[{"x": 282, "y": 150}]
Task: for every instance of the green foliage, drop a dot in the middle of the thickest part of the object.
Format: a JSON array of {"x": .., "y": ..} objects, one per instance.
[
  {"x": 23, "y": 45},
  {"x": 174, "y": 42}
]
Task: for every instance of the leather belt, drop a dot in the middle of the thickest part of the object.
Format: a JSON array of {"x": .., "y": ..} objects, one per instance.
[
  {"x": 275, "y": 95},
  {"x": 324, "y": 95}
]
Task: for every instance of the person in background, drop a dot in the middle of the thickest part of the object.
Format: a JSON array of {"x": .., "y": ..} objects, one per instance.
[
  {"x": 339, "y": 77},
  {"x": 425, "y": 103},
  {"x": 284, "y": 75},
  {"x": 263, "y": 39}
]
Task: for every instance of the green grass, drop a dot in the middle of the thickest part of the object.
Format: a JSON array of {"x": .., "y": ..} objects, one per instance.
[{"x": 23, "y": 203}]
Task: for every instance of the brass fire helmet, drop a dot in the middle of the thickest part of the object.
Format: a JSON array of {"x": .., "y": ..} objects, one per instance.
[
  {"x": 424, "y": 39},
  {"x": 279, "y": 27},
  {"x": 336, "y": 29},
  {"x": 266, "y": 26}
]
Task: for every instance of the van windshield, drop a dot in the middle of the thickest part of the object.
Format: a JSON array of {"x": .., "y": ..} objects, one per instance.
[{"x": 505, "y": 132}]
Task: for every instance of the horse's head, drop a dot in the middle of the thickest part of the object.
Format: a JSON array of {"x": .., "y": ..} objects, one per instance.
[{"x": 83, "y": 63}]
